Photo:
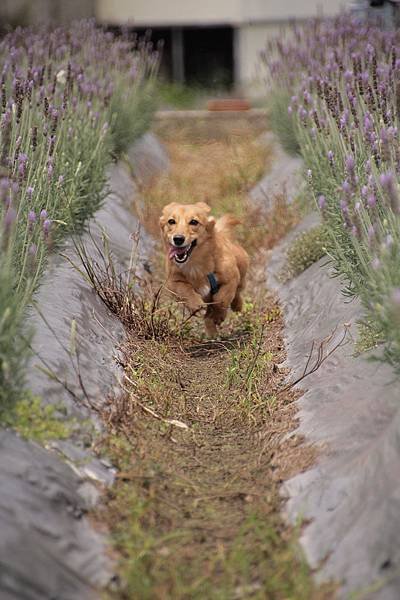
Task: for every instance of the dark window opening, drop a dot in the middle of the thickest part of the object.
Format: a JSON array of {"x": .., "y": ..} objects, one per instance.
[
  {"x": 208, "y": 56},
  {"x": 198, "y": 56}
]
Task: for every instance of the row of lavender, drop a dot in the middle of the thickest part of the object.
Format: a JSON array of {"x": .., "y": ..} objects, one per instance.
[
  {"x": 342, "y": 80},
  {"x": 70, "y": 100}
]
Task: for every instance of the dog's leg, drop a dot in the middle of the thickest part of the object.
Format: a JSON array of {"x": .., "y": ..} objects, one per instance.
[
  {"x": 211, "y": 328},
  {"x": 237, "y": 302},
  {"x": 222, "y": 300},
  {"x": 187, "y": 294}
]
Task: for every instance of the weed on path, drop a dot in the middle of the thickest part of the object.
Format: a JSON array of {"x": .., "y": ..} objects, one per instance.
[{"x": 200, "y": 440}]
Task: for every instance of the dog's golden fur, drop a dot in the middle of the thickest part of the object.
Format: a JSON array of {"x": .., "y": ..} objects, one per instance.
[{"x": 208, "y": 247}]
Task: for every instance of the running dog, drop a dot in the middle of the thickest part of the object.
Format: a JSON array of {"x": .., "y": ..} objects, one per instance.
[{"x": 205, "y": 267}]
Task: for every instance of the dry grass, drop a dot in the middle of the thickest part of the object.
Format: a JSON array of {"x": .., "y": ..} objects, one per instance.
[
  {"x": 198, "y": 435},
  {"x": 200, "y": 450}
]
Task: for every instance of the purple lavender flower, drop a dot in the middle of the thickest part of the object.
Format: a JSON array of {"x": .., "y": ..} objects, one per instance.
[
  {"x": 346, "y": 187},
  {"x": 389, "y": 241},
  {"x": 5, "y": 186},
  {"x": 395, "y": 296},
  {"x": 375, "y": 263},
  {"x": 368, "y": 123},
  {"x": 348, "y": 75},
  {"x": 344, "y": 119},
  {"x": 32, "y": 250},
  {"x": 46, "y": 227},
  {"x": 43, "y": 214},
  {"x": 307, "y": 97},
  {"x": 387, "y": 181},
  {"x": 350, "y": 163},
  {"x": 371, "y": 232},
  {"x": 321, "y": 202},
  {"x": 21, "y": 170},
  {"x": 9, "y": 217},
  {"x": 303, "y": 114}
]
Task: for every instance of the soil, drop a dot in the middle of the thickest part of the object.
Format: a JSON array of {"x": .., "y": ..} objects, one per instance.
[{"x": 203, "y": 437}]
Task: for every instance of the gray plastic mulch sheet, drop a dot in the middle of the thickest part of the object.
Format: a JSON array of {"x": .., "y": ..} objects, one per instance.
[
  {"x": 282, "y": 181},
  {"x": 350, "y": 499},
  {"x": 48, "y": 549},
  {"x": 65, "y": 296}
]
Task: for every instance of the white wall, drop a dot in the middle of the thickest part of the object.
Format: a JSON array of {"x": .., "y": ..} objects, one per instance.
[
  {"x": 289, "y": 9},
  {"x": 253, "y": 34},
  {"x": 250, "y": 40},
  {"x": 181, "y": 12},
  {"x": 169, "y": 12},
  {"x": 40, "y": 12}
]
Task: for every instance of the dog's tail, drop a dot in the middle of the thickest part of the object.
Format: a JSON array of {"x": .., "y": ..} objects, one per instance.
[{"x": 226, "y": 225}]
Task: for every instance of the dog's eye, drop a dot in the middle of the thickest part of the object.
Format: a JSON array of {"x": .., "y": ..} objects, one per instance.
[
  {"x": 193, "y": 222},
  {"x": 171, "y": 221}
]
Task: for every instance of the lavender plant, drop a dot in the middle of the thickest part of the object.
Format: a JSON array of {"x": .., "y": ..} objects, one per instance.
[
  {"x": 65, "y": 97},
  {"x": 343, "y": 78}
]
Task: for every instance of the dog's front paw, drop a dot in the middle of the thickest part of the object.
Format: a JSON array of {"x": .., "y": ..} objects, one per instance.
[
  {"x": 219, "y": 314},
  {"x": 211, "y": 328},
  {"x": 195, "y": 304}
]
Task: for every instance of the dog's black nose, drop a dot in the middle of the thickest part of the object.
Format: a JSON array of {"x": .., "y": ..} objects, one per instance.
[{"x": 178, "y": 240}]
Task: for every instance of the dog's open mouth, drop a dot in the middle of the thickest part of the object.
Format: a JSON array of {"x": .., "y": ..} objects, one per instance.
[{"x": 181, "y": 253}]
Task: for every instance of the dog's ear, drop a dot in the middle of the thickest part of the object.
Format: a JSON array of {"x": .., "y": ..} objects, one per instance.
[
  {"x": 210, "y": 224},
  {"x": 169, "y": 206},
  {"x": 165, "y": 211},
  {"x": 203, "y": 206}
]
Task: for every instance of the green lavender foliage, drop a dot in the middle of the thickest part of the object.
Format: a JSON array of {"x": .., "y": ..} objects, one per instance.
[
  {"x": 343, "y": 79},
  {"x": 71, "y": 100}
]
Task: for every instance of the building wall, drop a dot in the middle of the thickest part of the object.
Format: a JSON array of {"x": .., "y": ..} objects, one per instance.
[
  {"x": 276, "y": 10},
  {"x": 250, "y": 40},
  {"x": 169, "y": 12},
  {"x": 183, "y": 12},
  {"x": 37, "y": 12},
  {"x": 254, "y": 32}
]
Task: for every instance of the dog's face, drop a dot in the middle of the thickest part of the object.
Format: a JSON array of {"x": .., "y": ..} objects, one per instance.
[{"x": 185, "y": 226}]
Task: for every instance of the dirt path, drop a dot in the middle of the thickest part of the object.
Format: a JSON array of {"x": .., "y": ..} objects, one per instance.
[{"x": 198, "y": 435}]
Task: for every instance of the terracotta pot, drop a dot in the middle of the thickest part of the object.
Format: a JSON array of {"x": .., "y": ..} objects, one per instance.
[{"x": 228, "y": 104}]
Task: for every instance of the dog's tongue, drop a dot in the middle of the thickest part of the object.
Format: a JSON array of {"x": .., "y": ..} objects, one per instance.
[{"x": 174, "y": 251}]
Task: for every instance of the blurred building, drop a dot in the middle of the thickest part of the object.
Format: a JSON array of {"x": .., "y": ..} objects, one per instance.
[
  {"x": 40, "y": 12},
  {"x": 387, "y": 11},
  {"x": 212, "y": 42},
  {"x": 206, "y": 42}
]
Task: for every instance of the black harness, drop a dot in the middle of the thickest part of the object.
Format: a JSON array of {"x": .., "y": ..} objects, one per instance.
[{"x": 213, "y": 281}]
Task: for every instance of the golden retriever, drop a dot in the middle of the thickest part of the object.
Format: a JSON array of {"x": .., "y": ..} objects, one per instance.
[{"x": 205, "y": 266}]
